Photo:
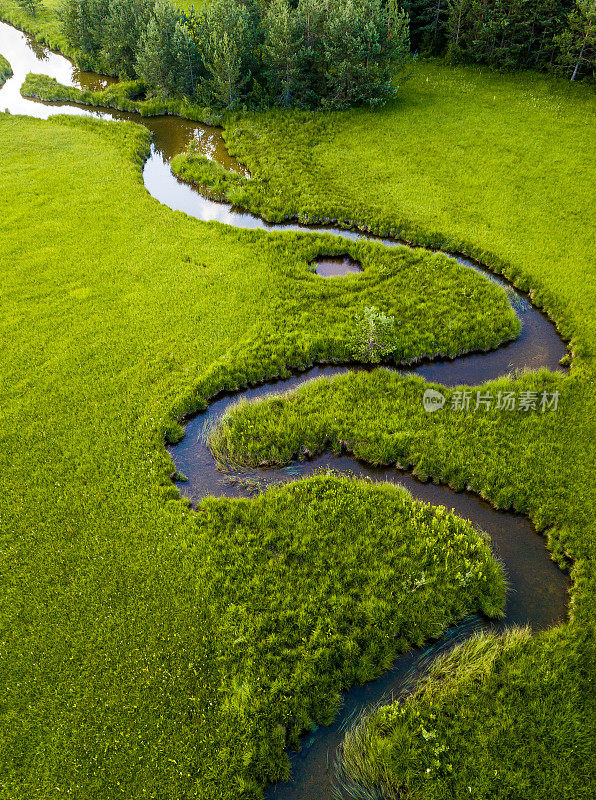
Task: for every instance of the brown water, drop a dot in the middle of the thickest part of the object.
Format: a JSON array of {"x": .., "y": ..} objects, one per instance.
[
  {"x": 336, "y": 266},
  {"x": 537, "y": 593}
]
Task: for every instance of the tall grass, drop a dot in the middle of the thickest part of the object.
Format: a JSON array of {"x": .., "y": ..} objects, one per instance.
[
  {"x": 5, "y": 70},
  {"x": 118, "y": 316},
  {"x": 532, "y": 707},
  {"x": 210, "y": 177},
  {"x": 371, "y": 571},
  {"x": 124, "y": 96}
]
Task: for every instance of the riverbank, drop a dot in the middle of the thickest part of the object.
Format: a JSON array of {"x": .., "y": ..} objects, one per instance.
[
  {"x": 44, "y": 25},
  {"x": 5, "y": 70},
  {"x": 132, "y": 306},
  {"x": 122, "y": 96}
]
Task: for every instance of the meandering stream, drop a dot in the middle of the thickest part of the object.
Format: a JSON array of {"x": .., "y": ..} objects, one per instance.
[{"x": 537, "y": 593}]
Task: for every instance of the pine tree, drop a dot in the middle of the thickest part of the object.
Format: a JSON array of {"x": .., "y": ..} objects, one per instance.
[
  {"x": 189, "y": 65},
  {"x": 506, "y": 34},
  {"x": 227, "y": 38},
  {"x": 312, "y": 15},
  {"x": 127, "y": 21},
  {"x": 83, "y": 23},
  {"x": 360, "y": 45},
  {"x": 428, "y": 24},
  {"x": 156, "y": 62},
  {"x": 285, "y": 55},
  {"x": 456, "y": 27}
]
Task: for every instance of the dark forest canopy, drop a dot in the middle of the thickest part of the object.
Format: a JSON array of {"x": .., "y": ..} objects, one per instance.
[
  {"x": 556, "y": 35},
  {"x": 233, "y": 52},
  {"x": 329, "y": 53}
]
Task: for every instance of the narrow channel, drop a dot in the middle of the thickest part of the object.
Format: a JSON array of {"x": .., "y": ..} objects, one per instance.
[{"x": 537, "y": 594}]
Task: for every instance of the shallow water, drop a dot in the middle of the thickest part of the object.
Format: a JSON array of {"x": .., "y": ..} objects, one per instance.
[
  {"x": 336, "y": 266},
  {"x": 537, "y": 593}
]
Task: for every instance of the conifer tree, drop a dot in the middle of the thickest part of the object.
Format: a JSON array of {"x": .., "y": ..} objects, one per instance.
[
  {"x": 83, "y": 25},
  {"x": 188, "y": 60},
  {"x": 227, "y": 40},
  {"x": 126, "y": 22},
  {"x": 361, "y": 45},
  {"x": 156, "y": 62},
  {"x": 285, "y": 55},
  {"x": 428, "y": 24}
]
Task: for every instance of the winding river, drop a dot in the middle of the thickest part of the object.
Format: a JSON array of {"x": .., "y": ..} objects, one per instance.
[{"x": 537, "y": 589}]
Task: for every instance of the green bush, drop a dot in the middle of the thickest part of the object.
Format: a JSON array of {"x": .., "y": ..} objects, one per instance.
[{"x": 5, "y": 70}]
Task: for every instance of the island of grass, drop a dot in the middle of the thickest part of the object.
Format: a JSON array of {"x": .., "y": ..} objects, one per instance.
[
  {"x": 5, "y": 70},
  {"x": 124, "y": 96},
  {"x": 118, "y": 316},
  {"x": 313, "y": 587},
  {"x": 210, "y": 178}
]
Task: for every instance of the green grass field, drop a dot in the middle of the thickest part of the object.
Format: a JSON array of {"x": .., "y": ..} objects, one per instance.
[
  {"x": 502, "y": 168},
  {"x": 116, "y": 314},
  {"x": 119, "y": 675}
]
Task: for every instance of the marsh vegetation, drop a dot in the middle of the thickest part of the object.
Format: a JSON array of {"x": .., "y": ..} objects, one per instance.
[{"x": 144, "y": 648}]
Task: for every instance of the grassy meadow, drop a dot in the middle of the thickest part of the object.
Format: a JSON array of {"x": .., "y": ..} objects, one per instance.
[
  {"x": 141, "y": 640},
  {"x": 535, "y": 744},
  {"x": 371, "y": 572},
  {"x": 117, "y": 315},
  {"x": 500, "y": 167},
  {"x": 44, "y": 25},
  {"x": 504, "y": 172}
]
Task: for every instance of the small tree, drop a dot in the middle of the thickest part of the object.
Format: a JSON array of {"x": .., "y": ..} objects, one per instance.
[
  {"x": 577, "y": 43},
  {"x": 83, "y": 24},
  {"x": 126, "y": 22},
  {"x": 364, "y": 41},
  {"x": 31, "y": 6},
  {"x": 284, "y": 54},
  {"x": 374, "y": 336},
  {"x": 228, "y": 40},
  {"x": 156, "y": 61}
]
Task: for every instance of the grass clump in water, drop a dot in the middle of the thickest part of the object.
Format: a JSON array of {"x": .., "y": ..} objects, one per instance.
[
  {"x": 5, "y": 70},
  {"x": 214, "y": 180},
  {"x": 318, "y": 585},
  {"x": 124, "y": 96}
]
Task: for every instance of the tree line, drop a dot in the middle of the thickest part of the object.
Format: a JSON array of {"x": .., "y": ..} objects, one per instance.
[
  {"x": 333, "y": 53},
  {"x": 321, "y": 53},
  {"x": 553, "y": 35}
]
